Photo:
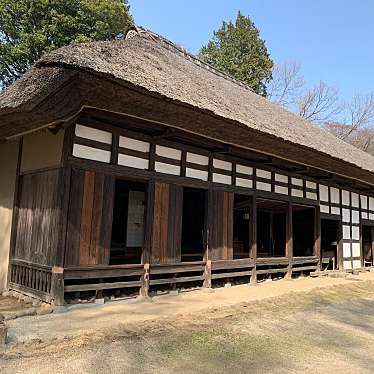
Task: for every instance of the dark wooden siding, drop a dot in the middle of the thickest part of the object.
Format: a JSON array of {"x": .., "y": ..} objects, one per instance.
[
  {"x": 175, "y": 224},
  {"x": 167, "y": 223},
  {"x": 38, "y": 217},
  {"x": 221, "y": 208},
  {"x": 89, "y": 224}
]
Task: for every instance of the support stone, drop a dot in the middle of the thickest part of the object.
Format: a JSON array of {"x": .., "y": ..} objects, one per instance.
[
  {"x": 144, "y": 289},
  {"x": 208, "y": 274},
  {"x": 3, "y": 333},
  {"x": 253, "y": 279}
]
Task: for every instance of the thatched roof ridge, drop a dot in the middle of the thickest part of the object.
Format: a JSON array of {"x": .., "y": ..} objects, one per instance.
[{"x": 149, "y": 61}]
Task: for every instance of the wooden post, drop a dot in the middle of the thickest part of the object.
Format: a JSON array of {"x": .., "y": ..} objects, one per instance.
[
  {"x": 208, "y": 274},
  {"x": 148, "y": 227},
  {"x": 253, "y": 233},
  {"x": 115, "y": 146},
  {"x": 317, "y": 236},
  {"x": 13, "y": 230},
  {"x": 144, "y": 289},
  {"x": 372, "y": 244},
  {"x": 64, "y": 196},
  {"x": 289, "y": 243},
  {"x": 210, "y": 168},
  {"x": 339, "y": 250},
  {"x": 152, "y": 155},
  {"x": 183, "y": 163},
  {"x": 57, "y": 286},
  {"x": 339, "y": 254}
]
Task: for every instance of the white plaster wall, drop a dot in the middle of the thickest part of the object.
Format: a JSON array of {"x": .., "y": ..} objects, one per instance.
[{"x": 8, "y": 168}]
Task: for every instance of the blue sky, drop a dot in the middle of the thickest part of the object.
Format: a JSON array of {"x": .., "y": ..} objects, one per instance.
[{"x": 331, "y": 39}]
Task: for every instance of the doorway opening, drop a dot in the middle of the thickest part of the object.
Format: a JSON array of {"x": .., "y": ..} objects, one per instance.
[
  {"x": 193, "y": 224},
  {"x": 271, "y": 228},
  {"x": 330, "y": 238},
  {"x": 367, "y": 244},
  {"x": 303, "y": 230},
  {"x": 128, "y": 222},
  {"x": 241, "y": 226}
]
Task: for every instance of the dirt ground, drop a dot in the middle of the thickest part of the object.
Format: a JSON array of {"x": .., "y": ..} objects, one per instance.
[{"x": 328, "y": 326}]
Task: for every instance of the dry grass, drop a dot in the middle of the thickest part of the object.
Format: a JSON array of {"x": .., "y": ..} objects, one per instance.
[{"x": 316, "y": 331}]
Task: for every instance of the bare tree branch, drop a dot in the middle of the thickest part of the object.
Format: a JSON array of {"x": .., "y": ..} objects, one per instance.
[
  {"x": 351, "y": 121},
  {"x": 287, "y": 83},
  {"x": 320, "y": 104},
  {"x": 360, "y": 113},
  {"x": 358, "y": 126}
]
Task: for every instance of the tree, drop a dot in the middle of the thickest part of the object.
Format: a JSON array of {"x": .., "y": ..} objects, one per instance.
[
  {"x": 286, "y": 85},
  {"x": 357, "y": 125},
  {"x": 30, "y": 28},
  {"x": 360, "y": 113},
  {"x": 320, "y": 104},
  {"x": 351, "y": 121},
  {"x": 238, "y": 50}
]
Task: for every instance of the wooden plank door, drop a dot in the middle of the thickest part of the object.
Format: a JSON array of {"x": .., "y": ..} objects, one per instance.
[
  {"x": 220, "y": 224},
  {"x": 90, "y": 215},
  {"x": 165, "y": 246}
]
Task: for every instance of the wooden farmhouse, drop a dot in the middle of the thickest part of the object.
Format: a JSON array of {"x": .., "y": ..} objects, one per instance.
[{"x": 130, "y": 166}]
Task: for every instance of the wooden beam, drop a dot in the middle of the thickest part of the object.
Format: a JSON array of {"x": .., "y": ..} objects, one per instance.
[
  {"x": 149, "y": 222},
  {"x": 301, "y": 169},
  {"x": 253, "y": 238},
  {"x": 165, "y": 134},
  {"x": 64, "y": 192},
  {"x": 317, "y": 235},
  {"x": 183, "y": 163},
  {"x": 289, "y": 239},
  {"x": 115, "y": 146},
  {"x": 339, "y": 249}
]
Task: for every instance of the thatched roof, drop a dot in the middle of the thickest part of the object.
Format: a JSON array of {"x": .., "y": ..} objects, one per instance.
[{"x": 159, "y": 67}]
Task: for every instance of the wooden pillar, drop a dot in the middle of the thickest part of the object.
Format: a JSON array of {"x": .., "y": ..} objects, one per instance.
[
  {"x": 57, "y": 278},
  {"x": 339, "y": 249},
  {"x": 115, "y": 146},
  {"x": 57, "y": 286},
  {"x": 13, "y": 230},
  {"x": 253, "y": 236},
  {"x": 289, "y": 239},
  {"x": 183, "y": 163},
  {"x": 317, "y": 236},
  {"x": 362, "y": 254},
  {"x": 372, "y": 244},
  {"x": 340, "y": 259},
  {"x": 228, "y": 225},
  {"x": 148, "y": 227},
  {"x": 152, "y": 155},
  {"x": 64, "y": 195}
]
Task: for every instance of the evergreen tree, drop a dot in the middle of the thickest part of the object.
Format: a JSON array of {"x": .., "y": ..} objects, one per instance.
[
  {"x": 30, "y": 28},
  {"x": 238, "y": 50}
]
